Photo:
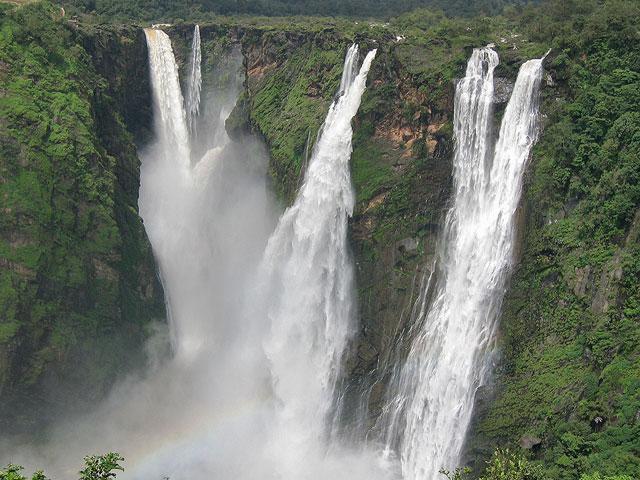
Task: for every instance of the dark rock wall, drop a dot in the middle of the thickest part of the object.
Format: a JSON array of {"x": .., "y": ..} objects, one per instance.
[{"x": 79, "y": 279}]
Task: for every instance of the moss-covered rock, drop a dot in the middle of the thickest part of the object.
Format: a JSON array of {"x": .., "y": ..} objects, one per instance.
[
  {"x": 76, "y": 274},
  {"x": 570, "y": 327},
  {"x": 568, "y": 375},
  {"x": 78, "y": 283}
]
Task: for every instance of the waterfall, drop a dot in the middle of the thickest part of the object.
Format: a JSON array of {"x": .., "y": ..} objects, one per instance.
[
  {"x": 307, "y": 281},
  {"x": 170, "y": 115},
  {"x": 248, "y": 389},
  {"x": 162, "y": 201},
  {"x": 194, "y": 81},
  {"x": 449, "y": 358},
  {"x": 349, "y": 70},
  {"x": 183, "y": 202},
  {"x": 275, "y": 356}
]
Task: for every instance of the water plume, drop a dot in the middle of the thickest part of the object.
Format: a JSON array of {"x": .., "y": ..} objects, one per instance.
[
  {"x": 196, "y": 410},
  {"x": 307, "y": 284}
]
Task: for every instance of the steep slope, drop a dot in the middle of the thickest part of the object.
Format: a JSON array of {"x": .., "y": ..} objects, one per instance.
[
  {"x": 569, "y": 385},
  {"x": 566, "y": 386},
  {"x": 401, "y": 164},
  {"x": 567, "y": 379},
  {"x": 77, "y": 278}
]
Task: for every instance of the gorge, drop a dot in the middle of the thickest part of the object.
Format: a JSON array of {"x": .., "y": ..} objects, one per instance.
[{"x": 335, "y": 261}]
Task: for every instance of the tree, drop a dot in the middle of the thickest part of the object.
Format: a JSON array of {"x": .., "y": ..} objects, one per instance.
[
  {"x": 96, "y": 467},
  {"x": 508, "y": 465},
  {"x": 13, "y": 472},
  {"x": 101, "y": 467}
]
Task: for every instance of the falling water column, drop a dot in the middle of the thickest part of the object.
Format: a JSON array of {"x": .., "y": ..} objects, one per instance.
[
  {"x": 307, "y": 285},
  {"x": 433, "y": 391},
  {"x": 194, "y": 85}
]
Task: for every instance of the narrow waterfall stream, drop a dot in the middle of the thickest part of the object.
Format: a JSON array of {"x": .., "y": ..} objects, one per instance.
[
  {"x": 194, "y": 84},
  {"x": 432, "y": 394}
]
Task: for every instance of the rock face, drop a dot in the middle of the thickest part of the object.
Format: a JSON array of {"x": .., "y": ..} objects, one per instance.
[
  {"x": 529, "y": 442},
  {"x": 502, "y": 90},
  {"x": 119, "y": 55},
  {"x": 78, "y": 281},
  {"x": 572, "y": 307},
  {"x": 561, "y": 346}
]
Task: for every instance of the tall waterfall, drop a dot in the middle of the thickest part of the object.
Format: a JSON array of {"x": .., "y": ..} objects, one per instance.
[
  {"x": 433, "y": 391},
  {"x": 194, "y": 81},
  {"x": 307, "y": 277},
  {"x": 170, "y": 116},
  {"x": 208, "y": 214},
  {"x": 262, "y": 312},
  {"x": 275, "y": 357}
]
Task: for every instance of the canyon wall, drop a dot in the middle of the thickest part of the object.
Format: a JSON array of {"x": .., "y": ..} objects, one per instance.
[
  {"x": 565, "y": 388},
  {"x": 79, "y": 290}
]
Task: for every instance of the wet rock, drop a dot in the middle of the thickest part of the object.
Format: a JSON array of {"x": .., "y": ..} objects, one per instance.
[
  {"x": 237, "y": 124},
  {"x": 407, "y": 245},
  {"x": 502, "y": 90},
  {"x": 548, "y": 80},
  {"x": 366, "y": 352},
  {"x": 530, "y": 442},
  {"x": 581, "y": 281},
  {"x": 597, "y": 423},
  {"x": 607, "y": 286}
]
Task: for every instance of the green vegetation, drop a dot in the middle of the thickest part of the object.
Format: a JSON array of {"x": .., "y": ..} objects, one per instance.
[
  {"x": 71, "y": 246},
  {"x": 101, "y": 467},
  {"x": 570, "y": 332},
  {"x": 14, "y": 472},
  {"x": 503, "y": 465},
  {"x": 96, "y": 467},
  {"x": 72, "y": 249},
  {"x": 508, "y": 465},
  {"x": 571, "y": 322},
  {"x": 290, "y": 102},
  {"x": 201, "y": 9}
]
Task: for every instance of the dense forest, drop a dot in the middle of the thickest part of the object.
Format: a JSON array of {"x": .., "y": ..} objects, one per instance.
[
  {"x": 188, "y": 9},
  {"x": 78, "y": 294}
]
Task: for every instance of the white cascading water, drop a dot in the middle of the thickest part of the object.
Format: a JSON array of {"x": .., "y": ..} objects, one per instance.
[
  {"x": 170, "y": 116},
  {"x": 432, "y": 393},
  {"x": 194, "y": 82},
  {"x": 168, "y": 190},
  {"x": 307, "y": 282},
  {"x": 196, "y": 412}
]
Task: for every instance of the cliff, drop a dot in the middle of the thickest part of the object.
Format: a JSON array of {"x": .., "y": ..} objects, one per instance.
[
  {"x": 78, "y": 287},
  {"x": 565, "y": 389},
  {"x": 566, "y": 386}
]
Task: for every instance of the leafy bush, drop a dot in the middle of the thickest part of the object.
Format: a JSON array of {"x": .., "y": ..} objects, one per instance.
[{"x": 97, "y": 467}]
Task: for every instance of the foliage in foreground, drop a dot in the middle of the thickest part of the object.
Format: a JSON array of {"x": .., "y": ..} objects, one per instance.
[
  {"x": 96, "y": 467},
  {"x": 504, "y": 465},
  {"x": 513, "y": 465}
]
